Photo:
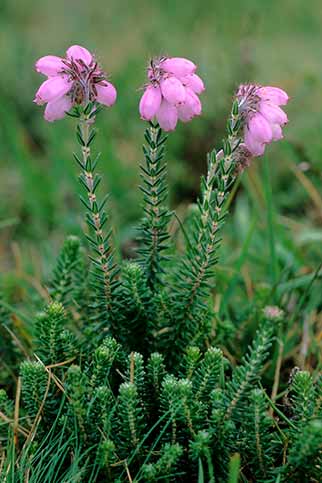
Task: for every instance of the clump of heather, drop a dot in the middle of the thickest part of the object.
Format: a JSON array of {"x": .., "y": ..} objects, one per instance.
[{"x": 132, "y": 374}]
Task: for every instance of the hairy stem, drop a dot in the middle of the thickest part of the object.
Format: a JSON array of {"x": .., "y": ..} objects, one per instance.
[
  {"x": 154, "y": 232},
  {"x": 104, "y": 269}
]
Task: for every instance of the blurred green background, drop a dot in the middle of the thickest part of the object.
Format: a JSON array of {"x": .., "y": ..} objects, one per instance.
[{"x": 276, "y": 42}]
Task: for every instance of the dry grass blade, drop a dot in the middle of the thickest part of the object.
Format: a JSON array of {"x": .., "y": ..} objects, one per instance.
[{"x": 20, "y": 429}]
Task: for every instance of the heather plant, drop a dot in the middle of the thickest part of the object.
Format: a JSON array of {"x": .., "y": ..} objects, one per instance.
[{"x": 132, "y": 374}]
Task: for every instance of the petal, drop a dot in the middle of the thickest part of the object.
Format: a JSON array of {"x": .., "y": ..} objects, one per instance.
[
  {"x": 194, "y": 100},
  {"x": 173, "y": 90},
  {"x": 57, "y": 109},
  {"x": 255, "y": 148},
  {"x": 49, "y": 65},
  {"x": 194, "y": 82},
  {"x": 277, "y": 132},
  {"x": 273, "y": 113},
  {"x": 52, "y": 88},
  {"x": 273, "y": 94},
  {"x": 185, "y": 112},
  {"x": 76, "y": 52},
  {"x": 167, "y": 116},
  {"x": 106, "y": 93},
  {"x": 260, "y": 128},
  {"x": 178, "y": 66},
  {"x": 150, "y": 103},
  {"x": 190, "y": 108}
]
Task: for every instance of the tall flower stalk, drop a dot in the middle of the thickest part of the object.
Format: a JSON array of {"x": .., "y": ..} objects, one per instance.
[
  {"x": 77, "y": 84},
  {"x": 255, "y": 120},
  {"x": 170, "y": 94},
  {"x": 105, "y": 271},
  {"x": 193, "y": 275},
  {"x": 154, "y": 228}
]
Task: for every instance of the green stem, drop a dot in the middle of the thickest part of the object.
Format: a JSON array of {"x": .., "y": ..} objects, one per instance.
[
  {"x": 154, "y": 229},
  {"x": 216, "y": 189},
  {"x": 105, "y": 270}
]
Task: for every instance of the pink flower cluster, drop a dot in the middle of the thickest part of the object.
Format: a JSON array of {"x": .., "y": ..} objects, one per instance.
[
  {"x": 262, "y": 115},
  {"x": 172, "y": 92},
  {"x": 76, "y": 79}
]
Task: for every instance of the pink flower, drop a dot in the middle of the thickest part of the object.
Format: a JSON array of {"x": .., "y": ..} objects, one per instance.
[
  {"x": 194, "y": 82},
  {"x": 191, "y": 107},
  {"x": 79, "y": 54},
  {"x": 50, "y": 65},
  {"x": 167, "y": 116},
  {"x": 172, "y": 92},
  {"x": 57, "y": 109},
  {"x": 179, "y": 66},
  {"x": 150, "y": 102},
  {"x": 273, "y": 94},
  {"x": 105, "y": 93},
  {"x": 53, "y": 88},
  {"x": 74, "y": 80},
  {"x": 262, "y": 116}
]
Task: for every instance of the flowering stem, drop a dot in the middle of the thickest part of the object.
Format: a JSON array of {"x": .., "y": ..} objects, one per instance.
[
  {"x": 104, "y": 269},
  {"x": 154, "y": 233},
  {"x": 215, "y": 188},
  {"x": 190, "y": 297}
]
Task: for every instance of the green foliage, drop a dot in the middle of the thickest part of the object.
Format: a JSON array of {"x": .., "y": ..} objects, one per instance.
[
  {"x": 155, "y": 372},
  {"x": 193, "y": 276},
  {"x": 257, "y": 447},
  {"x": 136, "y": 373},
  {"x": 302, "y": 396},
  {"x": 305, "y": 447},
  {"x": 104, "y": 270},
  {"x": 8, "y": 351},
  {"x": 156, "y": 425},
  {"x": 130, "y": 424},
  {"x": 137, "y": 309},
  {"x": 66, "y": 281},
  {"x": 165, "y": 467},
  {"x": 208, "y": 372},
  {"x": 76, "y": 385},
  {"x": 54, "y": 343},
  {"x": 247, "y": 374},
  {"x": 102, "y": 362},
  {"x": 200, "y": 451},
  {"x": 6, "y": 408},
  {"x": 140, "y": 374},
  {"x": 34, "y": 387},
  {"x": 154, "y": 228},
  {"x": 304, "y": 458}
]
